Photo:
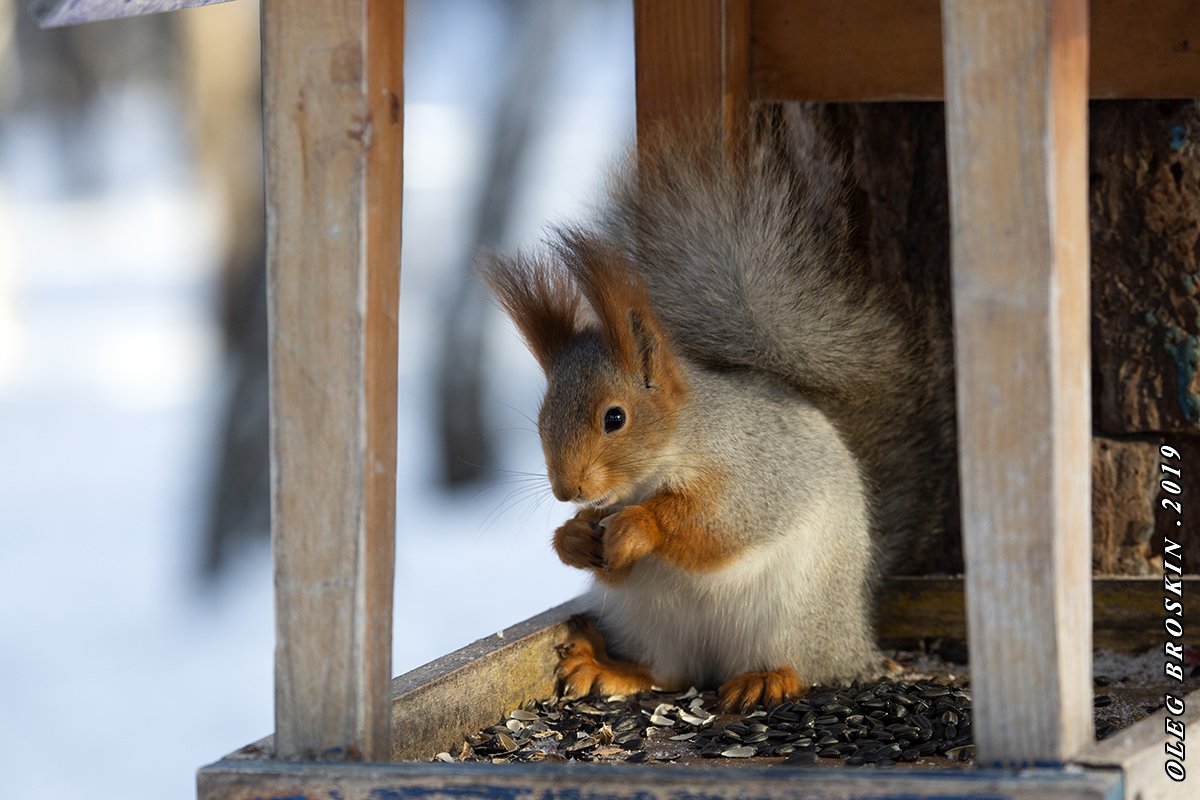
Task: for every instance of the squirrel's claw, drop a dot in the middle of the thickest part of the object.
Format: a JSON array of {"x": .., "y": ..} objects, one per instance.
[
  {"x": 760, "y": 688},
  {"x": 584, "y": 666}
]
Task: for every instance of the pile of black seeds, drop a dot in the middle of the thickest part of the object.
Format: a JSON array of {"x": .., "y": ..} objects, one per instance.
[
  {"x": 876, "y": 723},
  {"x": 923, "y": 716}
]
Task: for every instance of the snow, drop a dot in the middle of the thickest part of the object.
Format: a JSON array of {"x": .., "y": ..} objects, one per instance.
[{"x": 121, "y": 674}]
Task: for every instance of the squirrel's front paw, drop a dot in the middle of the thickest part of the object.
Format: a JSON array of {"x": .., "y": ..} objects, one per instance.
[
  {"x": 627, "y": 537},
  {"x": 578, "y": 544}
]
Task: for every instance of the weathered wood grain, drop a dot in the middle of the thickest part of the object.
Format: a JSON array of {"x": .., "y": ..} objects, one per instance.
[
  {"x": 871, "y": 50},
  {"x": 692, "y": 62},
  {"x": 1125, "y": 492},
  {"x": 1138, "y": 751},
  {"x": 1123, "y": 609},
  {"x": 247, "y": 780},
  {"x": 333, "y": 100},
  {"x": 1144, "y": 191},
  {"x": 1016, "y": 120},
  {"x": 57, "y": 13},
  {"x": 436, "y": 706}
]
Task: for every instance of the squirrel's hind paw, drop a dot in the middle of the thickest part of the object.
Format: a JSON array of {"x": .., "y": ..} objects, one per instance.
[
  {"x": 760, "y": 688},
  {"x": 584, "y": 666}
]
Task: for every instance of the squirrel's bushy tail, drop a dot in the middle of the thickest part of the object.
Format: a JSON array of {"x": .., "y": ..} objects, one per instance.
[
  {"x": 748, "y": 260},
  {"x": 749, "y": 263}
]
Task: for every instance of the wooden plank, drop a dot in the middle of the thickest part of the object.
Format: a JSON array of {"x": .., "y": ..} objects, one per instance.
[
  {"x": 1145, "y": 49},
  {"x": 1016, "y": 120},
  {"x": 57, "y": 13},
  {"x": 837, "y": 51},
  {"x": 333, "y": 100},
  {"x": 436, "y": 706},
  {"x": 692, "y": 62},
  {"x": 1140, "y": 752},
  {"x": 245, "y": 779},
  {"x": 912, "y": 609}
]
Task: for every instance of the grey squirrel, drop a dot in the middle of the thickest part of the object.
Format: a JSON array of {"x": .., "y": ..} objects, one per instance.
[{"x": 732, "y": 405}]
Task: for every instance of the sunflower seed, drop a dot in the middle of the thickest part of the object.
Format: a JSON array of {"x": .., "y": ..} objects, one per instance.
[
  {"x": 742, "y": 751},
  {"x": 802, "y": 758}
]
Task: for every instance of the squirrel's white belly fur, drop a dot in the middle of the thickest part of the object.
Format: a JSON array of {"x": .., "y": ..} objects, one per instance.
[{"x": 795, "y": 596}]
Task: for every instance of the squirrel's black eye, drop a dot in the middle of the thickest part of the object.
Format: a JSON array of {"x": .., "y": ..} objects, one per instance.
[{"x": 614, "y": 419}]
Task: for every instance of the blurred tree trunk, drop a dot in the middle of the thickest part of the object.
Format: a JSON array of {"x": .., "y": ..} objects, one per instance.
[{"x": 466, "y": 454}]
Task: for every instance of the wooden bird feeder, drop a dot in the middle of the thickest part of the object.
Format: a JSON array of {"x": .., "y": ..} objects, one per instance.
[{"x": 1016, "y": 80}]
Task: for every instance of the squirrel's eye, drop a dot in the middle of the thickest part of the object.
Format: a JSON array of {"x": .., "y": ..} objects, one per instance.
[{"x": 614, "y": 419}]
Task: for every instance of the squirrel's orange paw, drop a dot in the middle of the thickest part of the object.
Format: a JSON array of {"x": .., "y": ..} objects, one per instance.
[
  {"x": 760, "y": 688},
  {"x": 578, "y": 544},
  {"x": 584, "y": 666},
  {"x": 626, "y": 538}
]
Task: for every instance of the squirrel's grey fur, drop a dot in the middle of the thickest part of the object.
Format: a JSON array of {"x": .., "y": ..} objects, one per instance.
[{"x": 750, "y": 266}]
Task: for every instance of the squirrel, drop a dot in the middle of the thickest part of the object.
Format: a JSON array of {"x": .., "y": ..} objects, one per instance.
[{"x": 721, "y": 378}]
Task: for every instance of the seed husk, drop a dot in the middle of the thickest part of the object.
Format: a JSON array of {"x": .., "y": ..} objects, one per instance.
[{"x": 741, "y": 751}]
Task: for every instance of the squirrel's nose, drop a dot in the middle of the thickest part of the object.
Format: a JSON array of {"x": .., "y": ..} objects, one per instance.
[
  {"x": 564, "y": 490},
  {"x": 565, "y": 493}
]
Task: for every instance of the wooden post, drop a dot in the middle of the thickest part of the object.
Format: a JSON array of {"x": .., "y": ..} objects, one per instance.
[
  {"x": 1016, "y": 119},
  {"x": 693, "y": 60},
  {"x": 333, "y": 104}
]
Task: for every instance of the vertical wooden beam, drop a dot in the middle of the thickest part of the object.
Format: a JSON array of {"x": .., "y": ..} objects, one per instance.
[
  {"x": 693, "y": 62},
  {"x": 1016, "y": 114},
  {"x": 333, "y": 103}
]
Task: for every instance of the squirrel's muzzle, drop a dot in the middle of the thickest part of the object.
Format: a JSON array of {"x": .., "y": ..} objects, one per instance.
[{"x": 564, "y": 490}]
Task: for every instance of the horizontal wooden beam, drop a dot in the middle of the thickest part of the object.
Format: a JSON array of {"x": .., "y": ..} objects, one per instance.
[
  {"x": 58, "y": 13},
  {"x": 912, "y": 609},
  {"x": 249, "y": 779},
  {"x": 867, "y": 50}
]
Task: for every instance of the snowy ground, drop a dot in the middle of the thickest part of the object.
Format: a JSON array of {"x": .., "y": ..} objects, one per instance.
[{"x": 120, "y": 675}]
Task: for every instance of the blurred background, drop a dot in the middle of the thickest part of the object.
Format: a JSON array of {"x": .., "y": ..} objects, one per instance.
[{"x": 136, "y": 604}]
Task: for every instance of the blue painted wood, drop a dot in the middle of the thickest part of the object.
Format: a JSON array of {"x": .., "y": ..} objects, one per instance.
[
  {"x": 242, "y": 779},
  {"x": 58, "y": 13}
]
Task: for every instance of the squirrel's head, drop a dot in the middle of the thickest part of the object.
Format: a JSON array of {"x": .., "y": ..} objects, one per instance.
[{"x": 613, "y": 384}]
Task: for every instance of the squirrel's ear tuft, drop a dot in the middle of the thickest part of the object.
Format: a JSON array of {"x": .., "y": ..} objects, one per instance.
[
  {"x": 621, "y": 303},
  {"x": 539, "y": 298}
]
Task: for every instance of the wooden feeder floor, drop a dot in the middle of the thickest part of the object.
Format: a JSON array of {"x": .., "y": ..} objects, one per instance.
[{"x": 1127, "y": 689}]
